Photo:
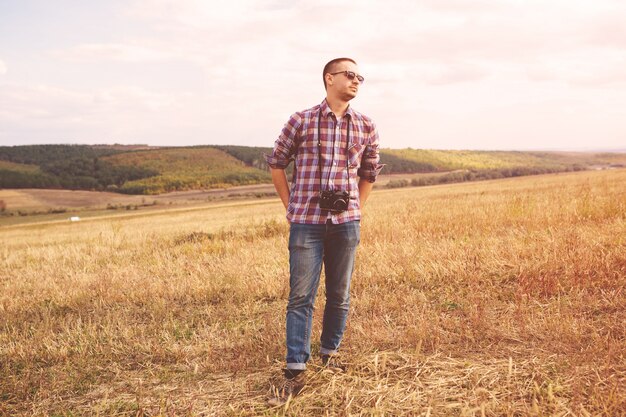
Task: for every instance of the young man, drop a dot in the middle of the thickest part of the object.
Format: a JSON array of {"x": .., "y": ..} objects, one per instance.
[{"x": 332, "y": 145}]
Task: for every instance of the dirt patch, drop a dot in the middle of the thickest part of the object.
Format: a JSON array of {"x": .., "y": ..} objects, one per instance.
[
  {"x": 251, "y": 191},
  {"x": 71, "y": 199},
  {"x": 42, "y": 199},
  {"x": 20, "y": 199}
]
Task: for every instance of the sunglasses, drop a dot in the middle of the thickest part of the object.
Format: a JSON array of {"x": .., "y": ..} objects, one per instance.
[{"x": 350, "y": 75}]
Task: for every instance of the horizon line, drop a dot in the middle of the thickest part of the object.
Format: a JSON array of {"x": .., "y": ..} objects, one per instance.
[{"x": 553, "y": 149}]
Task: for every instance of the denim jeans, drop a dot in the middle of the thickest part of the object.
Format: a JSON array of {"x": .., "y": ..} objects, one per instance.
[{"x": 310, "y": 246}]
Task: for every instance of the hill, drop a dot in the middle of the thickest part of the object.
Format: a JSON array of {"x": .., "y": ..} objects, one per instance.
[
  {"x": 64, "y": 166},
  {"x": 125, "y": 169},
  {"x": 181, "y": 169},
  {"x": 140, "y": 169},
  {"x": 453, "y": 160}
]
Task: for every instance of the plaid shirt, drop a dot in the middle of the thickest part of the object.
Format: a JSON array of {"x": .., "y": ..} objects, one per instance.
[{"x": 298, "y": 141}]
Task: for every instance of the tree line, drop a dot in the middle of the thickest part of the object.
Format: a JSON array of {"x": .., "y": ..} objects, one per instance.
[
  {"x": 71, "y": 167},
  {"x": 481, "y": 175}
]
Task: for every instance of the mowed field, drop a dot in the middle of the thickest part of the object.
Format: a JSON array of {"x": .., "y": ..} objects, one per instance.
[
  {"x": 75, "y": 201},
  {"x": 497, "y": 298},
  {"x": 56, "y": 205}
]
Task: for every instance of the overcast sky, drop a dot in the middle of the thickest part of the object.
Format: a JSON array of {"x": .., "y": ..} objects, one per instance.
[{"x": 440, "y": 74}]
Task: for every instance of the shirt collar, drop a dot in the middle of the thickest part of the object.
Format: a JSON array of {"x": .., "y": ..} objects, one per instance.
[{"x": 326, "y": 110}]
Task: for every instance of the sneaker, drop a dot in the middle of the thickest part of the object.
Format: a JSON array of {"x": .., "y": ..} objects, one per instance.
[
  {"x": 333, "y": 363},
  {"x": 290, "y": 385}
]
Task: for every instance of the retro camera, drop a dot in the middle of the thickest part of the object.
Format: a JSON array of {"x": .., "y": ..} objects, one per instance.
[{"x": 336, "y": 201}]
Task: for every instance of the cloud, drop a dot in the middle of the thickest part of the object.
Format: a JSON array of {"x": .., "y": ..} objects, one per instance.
[
  {"x": 184, "y": 71},
  {"x": 126, "y": 112},
  {"x": 586, "y": 68},
  {"x": 608, "y": 31},
  {"x": 432, "y": 31},
  {"x": 94, "y": 52},
  {"x": 442, "y": 74},
  {"x": 398, "y": 30}
]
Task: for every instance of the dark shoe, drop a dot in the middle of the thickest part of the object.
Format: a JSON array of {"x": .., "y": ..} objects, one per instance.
[
  {"x": 290, "y": 385},
  {"x": 333, "y": 363}
]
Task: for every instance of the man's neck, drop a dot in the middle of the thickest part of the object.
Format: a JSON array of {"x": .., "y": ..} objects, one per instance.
[{"x": 339, "y": 107}]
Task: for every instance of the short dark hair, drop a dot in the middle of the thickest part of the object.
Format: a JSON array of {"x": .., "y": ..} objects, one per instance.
[{"x": 330, "y": 67}]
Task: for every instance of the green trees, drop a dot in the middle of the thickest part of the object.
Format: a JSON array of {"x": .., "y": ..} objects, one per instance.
[
  {"x": 188, "y": 168},
  {"x": 155, "y": 170},
  {"x": 395, "y": 164},
  {"x": 250, "y": 155},
  {"x": 72, "y": 167}
]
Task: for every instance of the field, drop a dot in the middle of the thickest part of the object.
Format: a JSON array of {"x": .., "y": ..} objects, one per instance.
[
  {"x": 33, "y": 205},
  {"x": 445, "y": 160},
  {"x": 11, "y": 166},
  {"x": 497, "y": 298},
  {"x": 39, "y": 200}
]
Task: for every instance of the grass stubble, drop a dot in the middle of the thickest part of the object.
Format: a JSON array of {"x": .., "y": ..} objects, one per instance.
[{"x": 502, "y": 298}]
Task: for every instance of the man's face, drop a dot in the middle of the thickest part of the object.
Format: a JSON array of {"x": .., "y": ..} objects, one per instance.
[{"x": 340, "y": 85}]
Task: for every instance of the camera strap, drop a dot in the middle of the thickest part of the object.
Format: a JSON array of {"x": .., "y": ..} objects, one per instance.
[{"x": 319, "y": 151}]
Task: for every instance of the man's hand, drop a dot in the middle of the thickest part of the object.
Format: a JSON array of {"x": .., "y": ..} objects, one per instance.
[{"x": 279, "y": 178}]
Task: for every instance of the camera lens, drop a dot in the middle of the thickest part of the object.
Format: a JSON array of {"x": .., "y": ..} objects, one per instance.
[{"x": 340, "y": 205}]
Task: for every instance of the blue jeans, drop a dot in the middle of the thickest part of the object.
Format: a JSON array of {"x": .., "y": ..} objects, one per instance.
[{"x": 310, "y": 246}]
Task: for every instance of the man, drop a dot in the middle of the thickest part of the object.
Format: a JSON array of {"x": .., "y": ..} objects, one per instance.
[{"x": 324, "y": 210}]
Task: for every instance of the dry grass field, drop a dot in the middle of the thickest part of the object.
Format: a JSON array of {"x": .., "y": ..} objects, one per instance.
[
  {"x": 34, "y": 199},
  {"x": 42, "y": 205},
  {"x": 498, "y": 298}
]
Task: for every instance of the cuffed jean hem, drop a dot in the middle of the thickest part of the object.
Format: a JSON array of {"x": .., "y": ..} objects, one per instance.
[
  {"x": 296, "y": 366},
  {"x": 325, "y": 351}
]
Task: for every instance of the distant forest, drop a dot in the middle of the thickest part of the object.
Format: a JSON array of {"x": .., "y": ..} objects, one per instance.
[
  {"x": 153, "y": 170},
  {"x": 74, "y": 167}
]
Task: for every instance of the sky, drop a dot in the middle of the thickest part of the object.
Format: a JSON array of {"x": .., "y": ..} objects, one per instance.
[{"x": 440, "y": 74}]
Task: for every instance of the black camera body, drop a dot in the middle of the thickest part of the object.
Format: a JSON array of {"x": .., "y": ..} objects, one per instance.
[{"x": 336, "y": 201}]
